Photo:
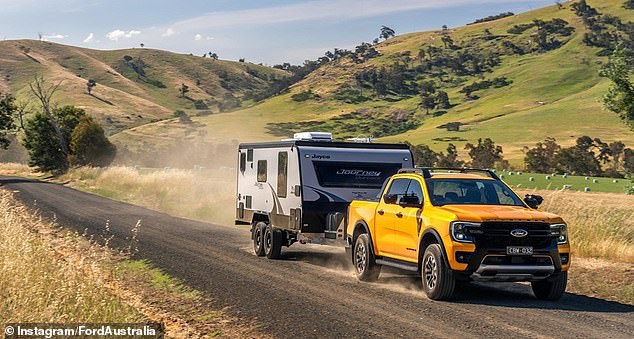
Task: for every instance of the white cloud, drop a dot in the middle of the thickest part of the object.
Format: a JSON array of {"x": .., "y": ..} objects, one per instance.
[
  {"x": 169, "y": 32},
  {"x": 315, "y": 10},
  {"x": 89, "y": 38},
  {"x": 54, "y": 36},
  {"x": 118, "y": 34},
  {"x": 198, "y": 37}
]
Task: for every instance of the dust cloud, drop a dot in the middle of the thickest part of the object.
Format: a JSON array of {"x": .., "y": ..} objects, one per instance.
[{"x": 191, "y": 178}]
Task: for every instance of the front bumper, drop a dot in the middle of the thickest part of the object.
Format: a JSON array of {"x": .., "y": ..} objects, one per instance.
[
  {"x": 536, "y": 271},
  {"x": 486, "y": 259}
]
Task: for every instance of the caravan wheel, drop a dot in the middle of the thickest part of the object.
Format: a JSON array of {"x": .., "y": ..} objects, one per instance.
[
  {"x": 272, "y": 242},
  {"x": 258, "y": 238}
]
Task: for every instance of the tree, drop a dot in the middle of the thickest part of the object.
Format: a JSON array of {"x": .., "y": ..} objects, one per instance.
[
  {"x": 89, "y": 145},
  {"x": 22, "y": 109},
  {"x": 142, "y": 45},
  {"x": 447, "y": 41},
  {"x": 617, "y": 149},
  {"x": 442, "y": 98},
  {"x": 428, "y": 100},
  {"x": 90, "y": 85},
  {"x": 579, "y": 159},
  {"x": 485, "y": 154},
  {"x": 127, "y": 58},
  {"x": 427, "y": 88},
  {"x": 387, "y": 33},
  {"x": 214, "y": 56},
  {"x": 451, "y": 158},
  {"x": 423, "y": 155},
  {"x": 8, "y": 109},
  {"x": 620, "y": 96},
  {"x": 629, "y": 4},
  {"x": 628, "y": 161},
  {"x": 44, "y": 93},
  {"x": 182, "y": 116},
  {"x": 559, "y": 4},
  {"x": 445, "y": 28},
  {"x": 183, "y": 90},
  {"x": 541, "y": 158},
  {"x": 44, "y": 146},
  {"x": 428, "y": 103}
]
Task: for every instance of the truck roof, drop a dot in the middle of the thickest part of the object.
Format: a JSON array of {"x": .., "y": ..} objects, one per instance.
[
  {"x": 451, "y": 173},
  {"x": 325, "y": 144},
  {"x": 459, "y": 176}
]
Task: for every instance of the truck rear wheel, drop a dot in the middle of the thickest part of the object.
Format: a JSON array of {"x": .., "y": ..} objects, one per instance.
[
  {"x": 438, "y": 280},
  {"x": 258, "y": 238},
  {"x": 364, "y": 261},
  {"x": 272, "y": 242},
  {"x": 552, "y": 289}
]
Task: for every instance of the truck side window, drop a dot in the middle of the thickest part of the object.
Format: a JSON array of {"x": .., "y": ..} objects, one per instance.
[
  {"x": 250, "y": 155},
  {"x": 261, "y": 170},
  {"x": 282, "y": 174},
  {"x": 398, "y": 188},
  {"x": 415, "y": 190},
  {"x": 243, "y": 161}
]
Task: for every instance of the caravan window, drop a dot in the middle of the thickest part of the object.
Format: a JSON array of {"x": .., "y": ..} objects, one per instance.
[
  {"x": 282, "y": 174},
  {"x": 250, "y": 155},
  {"x": 243, "y": 161},
  {"x": 354, "y": 174},
  {"x": 261, "y": 170}
]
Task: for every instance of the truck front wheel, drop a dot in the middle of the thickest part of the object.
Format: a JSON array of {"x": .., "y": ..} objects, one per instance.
[
  {"x": 272, "y": 242},
  {"x": 364, "y": 261},
  {"x": 438, "y": 280},
  {"x": 258, "y": 238},
  {"x": 551, "y": 289}
]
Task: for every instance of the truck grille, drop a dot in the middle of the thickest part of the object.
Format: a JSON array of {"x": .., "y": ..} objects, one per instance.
[{"x": 498, "y": 234}]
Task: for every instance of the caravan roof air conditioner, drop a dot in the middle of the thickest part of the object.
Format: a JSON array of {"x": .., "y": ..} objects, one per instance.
[{"x": 316, "y": 136}]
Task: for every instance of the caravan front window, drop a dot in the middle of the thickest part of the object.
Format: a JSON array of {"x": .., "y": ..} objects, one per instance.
[
  {"x": 354, "y": 174},
  {"x": 282, "y": 174},
  {"x": 261, "y": 170}
]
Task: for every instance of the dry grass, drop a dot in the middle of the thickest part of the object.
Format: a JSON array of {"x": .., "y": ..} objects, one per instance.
[
  {"x": 40, "y": 284},
  {"x": 600, "y": 224},
  {"x": 49, "y": 274},
  {"x": 17, "y": 169},
  {"x": 203, "y": 194}
]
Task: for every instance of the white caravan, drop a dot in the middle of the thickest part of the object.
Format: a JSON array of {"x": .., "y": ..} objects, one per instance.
[{"x": 299, "y": 189}]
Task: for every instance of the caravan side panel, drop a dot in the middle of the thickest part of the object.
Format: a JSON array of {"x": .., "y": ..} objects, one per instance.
[{"x": 268, "y": 178}]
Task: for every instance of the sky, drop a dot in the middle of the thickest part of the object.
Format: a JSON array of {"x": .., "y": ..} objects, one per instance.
[{"x": 261, "y": 31}]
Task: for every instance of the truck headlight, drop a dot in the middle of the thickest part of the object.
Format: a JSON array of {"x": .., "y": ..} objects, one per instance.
[
  {"x": 561, "y": 231},
  {"x": 461, "y": 231}
]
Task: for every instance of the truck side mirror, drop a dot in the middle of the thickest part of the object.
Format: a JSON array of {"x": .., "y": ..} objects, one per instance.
[
  {"x": 390, "y": 199},
  {"x": 410, "y": 201},
  {"x": 533, "y": 201}
]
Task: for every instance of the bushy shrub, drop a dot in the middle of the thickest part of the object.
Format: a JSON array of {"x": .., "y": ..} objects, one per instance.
[{"x": 89, "y": 145}]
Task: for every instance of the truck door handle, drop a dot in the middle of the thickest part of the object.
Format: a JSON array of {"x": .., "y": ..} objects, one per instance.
[
  {"x": 399, "y": 214},
  {"x": 380, "y": 212}
]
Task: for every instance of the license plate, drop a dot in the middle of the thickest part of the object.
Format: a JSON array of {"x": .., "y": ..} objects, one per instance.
[{"x": 519, "y": 250}]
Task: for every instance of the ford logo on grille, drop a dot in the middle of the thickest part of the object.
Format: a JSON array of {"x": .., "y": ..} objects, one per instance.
[{"x": 519, "y": 233}]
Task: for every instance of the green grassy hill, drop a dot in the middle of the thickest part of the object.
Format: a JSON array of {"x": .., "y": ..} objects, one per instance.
[
  {"x": 554, "y": 92},
  {"x": 134, "y": 86}
]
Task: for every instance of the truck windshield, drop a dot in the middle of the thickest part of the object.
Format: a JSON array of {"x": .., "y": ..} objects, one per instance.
[
  {"x": 471, "y": 192},
  {"x": 354, "y": 174}
]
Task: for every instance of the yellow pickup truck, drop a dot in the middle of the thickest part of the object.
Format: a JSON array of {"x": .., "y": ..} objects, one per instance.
[{"x": 456, "y": 225}]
